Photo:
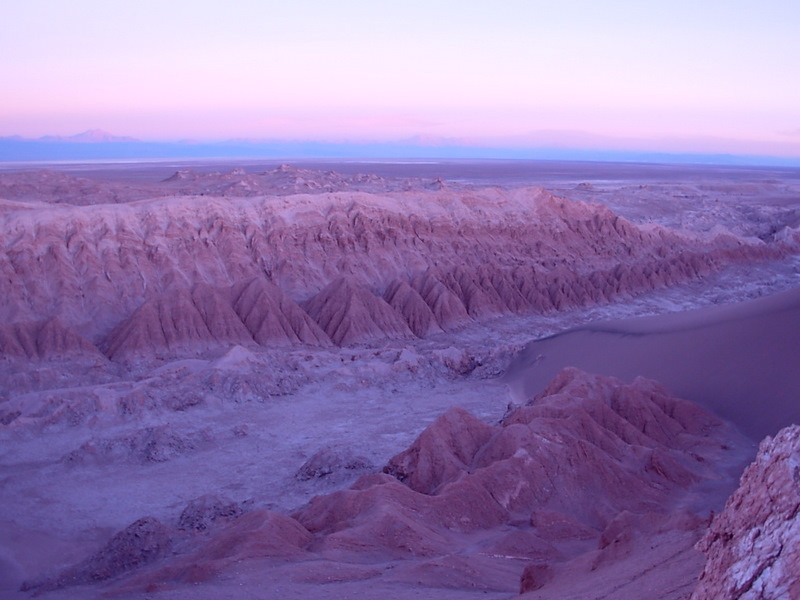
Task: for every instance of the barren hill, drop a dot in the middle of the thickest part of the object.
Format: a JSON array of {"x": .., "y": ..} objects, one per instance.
[
  {"x": 578, "y": 481},
  {"x": 466, "y": 253},
  {"x": 289, "y": 382}
]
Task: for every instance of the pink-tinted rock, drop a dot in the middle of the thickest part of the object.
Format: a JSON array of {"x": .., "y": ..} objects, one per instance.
[
  {"x": 568, "y": 463},
  {"x": 254, "y": 535},
  {"x": 44, "y": 340},
  {"x": 350, "y": 313},
  {"x": 442, "y": 453},
  {"x": 178, "y": 321},
  {"x": 408, "y": 302},
  {"x": 445, "y": 305},
  {"x": 272, "y": 318},
  {"x": 385, "y": 517},
  {"x": 494, "y": 251},
  {"x": 258, "y": 533},
  {"x": 477, "y": 294},
  {"x": 752, "y": 547}
]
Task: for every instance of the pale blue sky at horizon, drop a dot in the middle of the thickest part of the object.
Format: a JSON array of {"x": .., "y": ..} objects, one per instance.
[{"x": 670, "y": 76}]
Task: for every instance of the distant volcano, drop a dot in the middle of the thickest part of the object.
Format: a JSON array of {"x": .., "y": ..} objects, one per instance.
[{"x": 90, "y": 136}]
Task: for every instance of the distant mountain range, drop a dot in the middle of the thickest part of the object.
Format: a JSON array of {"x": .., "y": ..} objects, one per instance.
[
  {"x": 91, "y": 136},
  {"x": 99, "y": 145}
]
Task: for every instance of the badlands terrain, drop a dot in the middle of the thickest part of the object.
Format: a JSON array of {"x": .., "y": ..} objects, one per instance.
[{"x": 407, "y": 380}]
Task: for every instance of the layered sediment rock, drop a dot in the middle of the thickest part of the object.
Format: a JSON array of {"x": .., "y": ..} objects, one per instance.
[
  {"x": 272, "y": 318},
  {"x": 412, "y": 307},
  {"x": 49, "y": 339},
  {"x": 587, "y": 449},
  {"x": 142, "y": 269},
  {"x": 752, "y": 547},
  {"x": 588, "y": 468},
  {"x": 349, "y": 313},
  {"x": 180, "y": 320}
]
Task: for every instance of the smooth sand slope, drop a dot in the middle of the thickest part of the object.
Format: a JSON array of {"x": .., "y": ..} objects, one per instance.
[{"x": 741, "y": 361}]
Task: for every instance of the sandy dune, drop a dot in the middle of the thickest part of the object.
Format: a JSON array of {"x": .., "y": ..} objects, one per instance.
[{"x": 740, "y": 361}]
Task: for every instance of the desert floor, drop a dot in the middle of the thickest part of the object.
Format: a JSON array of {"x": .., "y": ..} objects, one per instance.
[{"x": 241, "y": 422}]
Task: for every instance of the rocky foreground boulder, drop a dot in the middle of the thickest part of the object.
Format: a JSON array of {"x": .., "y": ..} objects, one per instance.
[{"x": 753, "y": 545}]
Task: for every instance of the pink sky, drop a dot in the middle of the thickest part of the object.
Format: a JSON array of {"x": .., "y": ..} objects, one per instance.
[{"x": 724, "y": 76}]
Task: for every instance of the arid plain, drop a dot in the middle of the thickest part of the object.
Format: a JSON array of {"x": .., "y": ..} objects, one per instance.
[{"x": 399, "y": 380}]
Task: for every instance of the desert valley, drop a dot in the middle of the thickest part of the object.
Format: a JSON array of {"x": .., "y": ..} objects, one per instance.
[{"x": 399, "y": 380}]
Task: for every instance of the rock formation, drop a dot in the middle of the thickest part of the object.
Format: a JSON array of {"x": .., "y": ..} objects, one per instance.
[
  {"x": 141, "y": 269},
  {"x": 412, "y": 307},
  {"x": 176, "y": 321},
  {"x": 49, "y": 339},
  {"x": 272, "y": 318},
  {"x": 136, "y": 546},
  {"x": 234, "y": 353},
  {"x": 349, "y": 313},
  {"x": 587, "y": 468},
  {"x": 201, "y": 513},
  {"x": 581, "y": 453},
  {"x": 446, "y": 307},
  {"x": 752, "y": 547}
]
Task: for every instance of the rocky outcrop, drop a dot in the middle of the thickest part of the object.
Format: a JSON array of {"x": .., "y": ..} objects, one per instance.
[
  {"x": 41, "y": 340},
  {"x": 752, "y": 547},
  {"x": 494, "y": 251},
  {"x": 176, "y": 322},
  {"x": 144, "y": 446},
  {"x": 412, "y": 307},
  {"x": 332, "y": 463},
  {"x": 272, "y": 318},
  {"x": 141, "y": 543},
  {"x": 442, "y": 453},
  {"x": 201, "y": 513},
  {"x": 351, "y": 314},
  {"x": 570, "y": 462},
  {"x": 588, "y": 471}
]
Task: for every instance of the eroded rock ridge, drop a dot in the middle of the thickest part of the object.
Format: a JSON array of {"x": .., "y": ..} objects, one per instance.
[
  {"x": 177, "y": 275},
  {"x": 753, "y": 546}
]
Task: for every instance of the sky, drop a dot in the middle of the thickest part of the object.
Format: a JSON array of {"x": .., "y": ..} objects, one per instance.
[{"x": 675, "y": 75}]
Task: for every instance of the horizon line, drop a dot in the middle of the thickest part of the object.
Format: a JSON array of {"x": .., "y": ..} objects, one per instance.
[{"x": 97, "y": 145}]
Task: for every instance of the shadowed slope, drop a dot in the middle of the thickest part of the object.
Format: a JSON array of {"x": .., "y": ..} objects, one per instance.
[
  {"x": 274, "y": 318},
  {"x": 43, "y": 340},
  {"x": 740, "y": 361},
  {"x": 413, "y": 308},
  {"x": 181, "y": 321},
  {"x": 349, "y": 314}
]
